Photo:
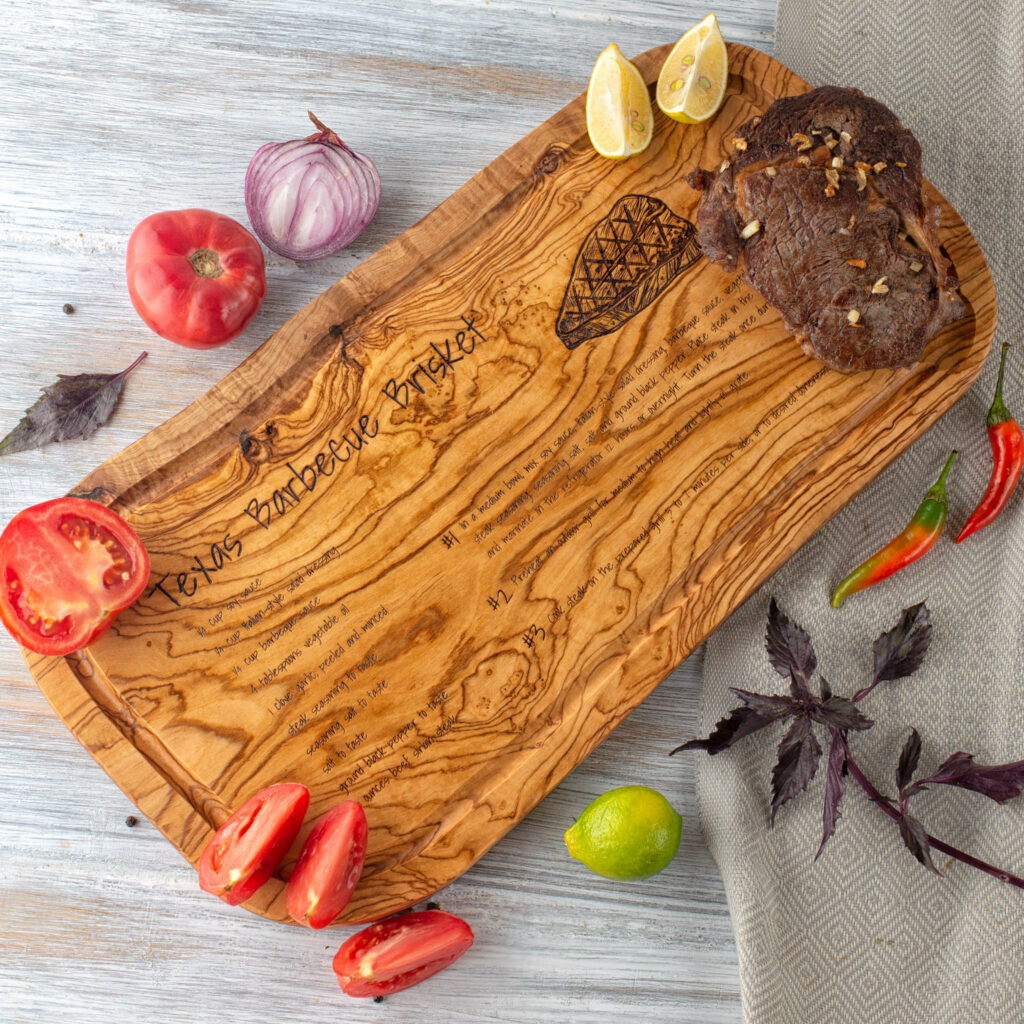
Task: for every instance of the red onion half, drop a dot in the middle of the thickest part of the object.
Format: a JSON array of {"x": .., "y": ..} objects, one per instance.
[{"x": 309, "y": 198}]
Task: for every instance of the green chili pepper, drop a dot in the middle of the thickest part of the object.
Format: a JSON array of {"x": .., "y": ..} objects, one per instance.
[{"x": 920, "y": 534}]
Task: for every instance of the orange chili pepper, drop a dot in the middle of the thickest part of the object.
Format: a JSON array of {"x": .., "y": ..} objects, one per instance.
[{"x": 920, "y": 534}]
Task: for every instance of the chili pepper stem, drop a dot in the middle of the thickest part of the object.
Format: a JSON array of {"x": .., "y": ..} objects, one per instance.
[
  {"x": 938, "y": 491},
  {"x": 998, "y": 412}
]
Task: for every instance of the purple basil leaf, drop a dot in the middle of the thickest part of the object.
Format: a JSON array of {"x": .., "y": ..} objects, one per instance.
[
  {"x": 75, "y": 406},
  {"x": 738, "y": 723},
  {"x": 916, "y": 838},
  {"x": 767, "y": 705},
  {"x": 835, "y": 787},
  {"x": 826, "y": 690},
  {"x": 840, "y": 713},
  {"x": 790, "y": 651},
  {"x": 909, "y": 758},
  {"x": 900, "y": 652},
  {"x": 999, "y": 782},
  {"x": 799, "y": 752}
]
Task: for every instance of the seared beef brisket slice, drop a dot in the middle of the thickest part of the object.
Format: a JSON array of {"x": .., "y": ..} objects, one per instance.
[{"x": 845, "y": 245}]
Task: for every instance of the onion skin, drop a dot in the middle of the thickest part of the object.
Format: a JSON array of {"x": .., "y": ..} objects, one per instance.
[{"x": 309, "y": 198}]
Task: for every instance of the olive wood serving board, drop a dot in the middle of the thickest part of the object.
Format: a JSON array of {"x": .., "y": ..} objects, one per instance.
[{"x": 460, "y": 515}]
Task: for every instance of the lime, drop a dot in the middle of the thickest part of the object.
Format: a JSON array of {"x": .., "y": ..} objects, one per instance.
[
  {"x": 629, "y": 832},
  {"x": 620, "y": 120},
  {"x": 692, "y": 82}
]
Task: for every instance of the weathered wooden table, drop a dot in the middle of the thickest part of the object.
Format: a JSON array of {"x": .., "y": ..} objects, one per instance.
[{"x": 112, "y": 112}]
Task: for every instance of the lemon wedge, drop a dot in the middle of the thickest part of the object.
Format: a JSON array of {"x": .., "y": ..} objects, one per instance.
[
  {"x": 620, "y": 120},
  {"x": 692, "y": 82}
]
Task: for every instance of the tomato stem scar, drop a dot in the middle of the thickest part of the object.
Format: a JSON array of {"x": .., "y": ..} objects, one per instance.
[{"x": 206, "y": 263}]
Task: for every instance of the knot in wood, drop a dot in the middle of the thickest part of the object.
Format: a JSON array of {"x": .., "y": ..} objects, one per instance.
[
  {"x": 257, "y": 447},
  {"x": 551, "y": 159}
]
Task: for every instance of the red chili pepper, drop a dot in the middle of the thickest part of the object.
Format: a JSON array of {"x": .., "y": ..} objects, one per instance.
[
  {"x": 920, "y": 534},
  {"x": 1007, "y": 440}
]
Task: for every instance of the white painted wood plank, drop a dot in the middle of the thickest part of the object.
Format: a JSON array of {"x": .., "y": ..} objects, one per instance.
[{"x": 112, "y": 111}]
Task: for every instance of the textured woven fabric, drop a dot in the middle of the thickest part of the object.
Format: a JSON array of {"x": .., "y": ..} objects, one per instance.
[{"x": 866, "y": 934}]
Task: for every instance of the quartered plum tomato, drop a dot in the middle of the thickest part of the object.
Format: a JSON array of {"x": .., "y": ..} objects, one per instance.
[
  {"x": 329, "y": 866},
  {"x": 400, "y": 951},
  {"x": 67, "y": 567},
  {"x": 249, "y": 847},
  {"x": 197, "y": 278}
]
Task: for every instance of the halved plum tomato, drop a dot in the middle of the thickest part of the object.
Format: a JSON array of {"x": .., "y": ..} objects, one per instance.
[
  {"x": 400, "y": 951},
  {"x": 67, "y": 567},
  {"x": 196, "y": 277},
  {"x": 329, "y": 866},
  {"x": 249, "y": 847}
]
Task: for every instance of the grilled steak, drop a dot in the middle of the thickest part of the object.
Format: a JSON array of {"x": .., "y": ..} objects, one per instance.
[{"x": 822, "y": 195}]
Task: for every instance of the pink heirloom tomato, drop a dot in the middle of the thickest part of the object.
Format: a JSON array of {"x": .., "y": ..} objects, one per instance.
[{"x": 195, "y": 277}]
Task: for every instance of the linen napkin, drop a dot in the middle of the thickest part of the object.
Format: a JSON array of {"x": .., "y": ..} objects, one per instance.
[{"x": 866, "y": 934}]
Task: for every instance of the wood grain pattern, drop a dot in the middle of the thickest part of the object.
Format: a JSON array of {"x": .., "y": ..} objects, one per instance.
[
  {"x": 435, "y": 586},
  {"x": 106, "y": 919}
]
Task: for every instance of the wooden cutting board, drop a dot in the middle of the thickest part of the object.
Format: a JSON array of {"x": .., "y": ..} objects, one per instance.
[{"x": 461, "y": 514}]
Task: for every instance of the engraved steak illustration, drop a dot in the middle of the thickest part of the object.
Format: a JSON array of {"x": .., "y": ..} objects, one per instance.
[{"x": 626, "y": 261}]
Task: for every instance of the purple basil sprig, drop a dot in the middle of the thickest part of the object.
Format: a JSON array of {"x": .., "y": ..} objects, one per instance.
[
  {"x": 898, "y": 653},
  {"x": 73, "y": 407}
]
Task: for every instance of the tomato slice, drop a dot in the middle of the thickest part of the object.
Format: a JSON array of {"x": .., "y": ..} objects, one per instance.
[
  {"x": 249, "y": 847},
  {"x": 67, "y": 567},
  {"x": 400, "y": 951},
  {"x": 329, "y": 866}
]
